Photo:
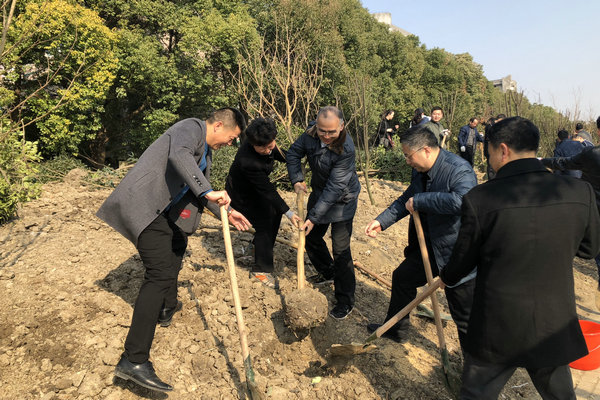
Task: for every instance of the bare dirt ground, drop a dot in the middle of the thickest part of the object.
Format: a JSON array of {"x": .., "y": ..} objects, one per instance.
[{"x": 68, "y": 282}]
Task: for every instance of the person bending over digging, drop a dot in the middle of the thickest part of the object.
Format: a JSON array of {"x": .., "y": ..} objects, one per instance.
[
  {"x": 253, "y": 194},
  {"x": 156, "y": 206},
  {"x": 439, "y": 181},
  {"x": 333, "y": 200}
]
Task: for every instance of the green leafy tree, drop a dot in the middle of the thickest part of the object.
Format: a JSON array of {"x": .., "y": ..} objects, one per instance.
[{"x": 62, "y": 64}]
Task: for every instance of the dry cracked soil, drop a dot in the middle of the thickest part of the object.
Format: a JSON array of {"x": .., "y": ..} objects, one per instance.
[{"x": 68, "y": 283}]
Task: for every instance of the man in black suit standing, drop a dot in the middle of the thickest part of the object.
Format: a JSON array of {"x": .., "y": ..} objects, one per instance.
[
  {"x": 254, "y": 195},
  {"x": 522, "y": 230}
]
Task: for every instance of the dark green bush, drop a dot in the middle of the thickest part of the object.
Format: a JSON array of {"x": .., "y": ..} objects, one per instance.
[
  {"x": 390, "y": 164},
  {"x": 56, "y": 168}
]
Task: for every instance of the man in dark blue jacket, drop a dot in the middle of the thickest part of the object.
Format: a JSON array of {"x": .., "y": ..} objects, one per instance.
[
  {"x": 468, "y": 138},
  {"x": 567, "y": 148},
  {"x": 439, "y": 181},
  {"x": 335, "y": 189}
]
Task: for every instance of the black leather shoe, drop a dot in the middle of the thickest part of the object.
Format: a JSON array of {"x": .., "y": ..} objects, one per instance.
[
  {"x": 395, "y": 334},
  {"x": 166, "y": 314},
  {"x": 142, "y": 374}
]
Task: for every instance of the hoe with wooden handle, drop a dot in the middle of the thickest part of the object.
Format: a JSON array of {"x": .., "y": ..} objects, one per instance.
[
  {"x": 434, "y": 301},
  {"x": 253, "y": 390}
]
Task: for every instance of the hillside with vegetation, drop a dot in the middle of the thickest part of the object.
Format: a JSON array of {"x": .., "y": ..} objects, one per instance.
[{"x": 101, "y": 80}]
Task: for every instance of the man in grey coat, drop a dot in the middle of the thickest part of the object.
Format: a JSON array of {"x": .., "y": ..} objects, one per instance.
[
  {"x": 156, "y": 206},
  {"x": 440, "y": 180}
]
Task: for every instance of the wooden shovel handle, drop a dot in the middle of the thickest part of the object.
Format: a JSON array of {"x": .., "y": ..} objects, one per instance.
[
  {"x": 234, "y": 285},
  {"x": 301, "y": 242},
  {"x": 434, "y": 301},
  {"x": 429, "y": 291}
]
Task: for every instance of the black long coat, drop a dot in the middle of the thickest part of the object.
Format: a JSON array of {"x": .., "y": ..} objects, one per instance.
[
  {"x": 249, "y": 186},
  {"x": 522, "y": 230}
]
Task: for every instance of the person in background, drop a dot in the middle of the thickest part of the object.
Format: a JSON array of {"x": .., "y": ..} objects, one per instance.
[
  {"x": 522, "y": 230},
  {"x": 435, "y": 126},
  {"x": 439, "y": 181},
  {"x": 584, "y": 142},
  {"x": 490, "y": 172},
  {"x": 419, "y": 118},
  {"x": 385, "y": 130},
  {"x": 253, "y": 194},
  {"x": 468, "y": 136},
  {"x": 588, "y": 162},
  {"x": 156, "y": 206},
  {"x": 335, "y": 188},
  {"x": 566, "y": 147},
  {"x": 582, "y": 132}
]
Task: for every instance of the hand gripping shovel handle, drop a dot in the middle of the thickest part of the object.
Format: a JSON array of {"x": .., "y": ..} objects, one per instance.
[
  {"x": 301, "y": 242},
  {"x": 254, "y": 393}
]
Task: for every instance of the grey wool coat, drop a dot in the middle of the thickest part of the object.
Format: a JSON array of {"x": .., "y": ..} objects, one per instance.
[{"x": 163, "y": 170}]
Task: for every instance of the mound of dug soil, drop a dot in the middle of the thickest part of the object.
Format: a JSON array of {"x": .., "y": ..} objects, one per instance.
[
  {"x": 305, "y": 309},
  {"x": 68, "y": 283}
]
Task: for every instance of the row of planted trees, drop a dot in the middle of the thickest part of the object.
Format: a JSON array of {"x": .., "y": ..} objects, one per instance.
[{"x": 101, "y": 80}]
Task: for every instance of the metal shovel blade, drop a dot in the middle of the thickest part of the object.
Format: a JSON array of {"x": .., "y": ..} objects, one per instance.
[
  {"x": 367, "y": 346},
  {"x": 350, "y": 349}
]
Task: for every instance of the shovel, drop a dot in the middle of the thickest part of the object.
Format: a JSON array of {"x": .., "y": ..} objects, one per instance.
[
  {"x": 252, "y": 388},
  {"x": 301, "y": 242},
  {"x": 434, "y": 300},
  {"x": 367, "y": 346}
]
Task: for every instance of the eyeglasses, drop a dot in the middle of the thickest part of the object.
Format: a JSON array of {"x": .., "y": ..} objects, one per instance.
[
  {"x": 327, "y": 133},
  {"x": 409, "y": 156}
]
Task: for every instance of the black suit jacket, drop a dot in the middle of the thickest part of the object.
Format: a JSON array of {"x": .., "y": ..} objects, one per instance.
[
  {"x": 522, "y": 230},
  {"x": 248, "y": 183}
]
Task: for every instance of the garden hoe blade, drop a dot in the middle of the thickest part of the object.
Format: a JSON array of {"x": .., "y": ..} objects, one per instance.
[
  {"x": 252, "y": 388},
  {"x": 367, "y": 346}
]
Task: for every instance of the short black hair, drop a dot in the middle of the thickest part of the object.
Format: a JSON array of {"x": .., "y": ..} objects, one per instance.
[
  {"x": 261, "y": 132},
  {"x": 418, "y": 137},
  {"x": 473, "y": 119},
  {"x": 578, "y": 126},
  {"x": 598, "y": 123},
  {"x": 562, "y": 134},
  {"x": 520, "y": 134},
  {"x": 231, "y": 118},
  {"x": 437, "y": 108},
  {"x": 501, "y": 116}
]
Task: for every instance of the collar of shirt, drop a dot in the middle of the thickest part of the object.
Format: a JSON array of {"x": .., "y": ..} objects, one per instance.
[{"x": 434, "y": 170}]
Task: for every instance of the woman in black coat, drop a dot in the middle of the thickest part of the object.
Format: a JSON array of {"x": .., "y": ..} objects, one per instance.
[
  {"x": 335, "y": 188},
  {"x": 254, "y": 195},
  {"x": 385, "y": 130}
]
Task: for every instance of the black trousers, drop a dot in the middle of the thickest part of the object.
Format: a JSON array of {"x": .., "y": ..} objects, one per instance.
[
  {"x": 410, "y": 275},
  {"x": 468, "y": 154},
  {"x": 161, "y": 246},
  {"x": 341, "y": 267},
  {"x": 484, "y": 381},
  {"x": 266, "y": 223}
]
